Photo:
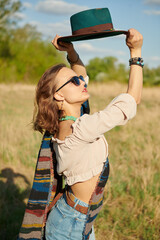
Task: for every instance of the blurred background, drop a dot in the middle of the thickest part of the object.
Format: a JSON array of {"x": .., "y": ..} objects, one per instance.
[{"x": 132, "y": 198}]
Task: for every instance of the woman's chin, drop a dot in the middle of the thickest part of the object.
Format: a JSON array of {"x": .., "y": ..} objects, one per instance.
[{"x": 86, "y": 97}]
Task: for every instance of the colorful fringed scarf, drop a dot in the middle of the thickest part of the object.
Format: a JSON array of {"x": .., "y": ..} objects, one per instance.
[{"x": 46, "y": 185}]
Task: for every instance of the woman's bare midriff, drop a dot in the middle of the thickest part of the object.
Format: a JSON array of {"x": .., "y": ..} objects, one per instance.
[{"x": 84, "y": 190}]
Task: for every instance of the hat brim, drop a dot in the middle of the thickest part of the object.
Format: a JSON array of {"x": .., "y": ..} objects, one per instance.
[{"x": 89, "y": 36}]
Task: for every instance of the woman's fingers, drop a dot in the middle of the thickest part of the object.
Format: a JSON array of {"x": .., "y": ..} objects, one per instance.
[
  {"x": 62, "y": 46},
  {"x": 55, "y": 42},
  {"x": 134, "y": 39}
]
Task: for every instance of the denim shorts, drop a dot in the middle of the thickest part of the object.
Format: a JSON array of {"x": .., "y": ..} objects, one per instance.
[{"x": 65, "y": 222}]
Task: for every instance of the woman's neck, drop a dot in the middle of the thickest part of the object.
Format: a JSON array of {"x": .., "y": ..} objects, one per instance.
[
  {"x": 71, "y": 112},
  {"x": 65, "y": 129}
]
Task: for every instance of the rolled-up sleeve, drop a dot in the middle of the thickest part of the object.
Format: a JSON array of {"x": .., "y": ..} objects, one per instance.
[
  {"x": 127, "y": 104},
  {"x": 118, "y": 112}
]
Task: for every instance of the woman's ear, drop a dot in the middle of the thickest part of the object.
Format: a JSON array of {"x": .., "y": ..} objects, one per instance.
[{"x": 58, "y": 96}]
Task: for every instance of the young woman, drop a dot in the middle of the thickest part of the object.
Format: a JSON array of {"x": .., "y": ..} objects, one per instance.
[{"x": 78, "y": 141}]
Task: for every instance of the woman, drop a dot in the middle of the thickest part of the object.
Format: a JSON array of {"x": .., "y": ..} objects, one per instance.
[{"x": 78, "y": 141}]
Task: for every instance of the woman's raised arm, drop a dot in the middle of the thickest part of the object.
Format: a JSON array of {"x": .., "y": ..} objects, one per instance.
[
  {"x": 134, "y": 41},
  {"x": 72, "y": 56}
]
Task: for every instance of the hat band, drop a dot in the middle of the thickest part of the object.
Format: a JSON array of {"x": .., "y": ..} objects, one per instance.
[{"x": 97, "y": 28}]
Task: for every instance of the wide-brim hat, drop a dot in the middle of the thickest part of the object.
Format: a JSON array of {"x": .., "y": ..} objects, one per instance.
[{"x": 91, "y": 24}]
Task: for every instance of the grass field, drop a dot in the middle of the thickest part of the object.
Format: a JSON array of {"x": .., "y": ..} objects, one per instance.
[{"x": 132, "y": 197}]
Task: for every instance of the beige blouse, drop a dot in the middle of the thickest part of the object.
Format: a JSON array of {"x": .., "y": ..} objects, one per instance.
[{"x": 83, "y": 153}]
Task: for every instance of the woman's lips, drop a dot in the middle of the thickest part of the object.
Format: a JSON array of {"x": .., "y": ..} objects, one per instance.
[{"x": 85, "y": 90}]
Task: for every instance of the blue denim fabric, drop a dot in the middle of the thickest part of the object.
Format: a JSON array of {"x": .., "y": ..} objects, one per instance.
[{"x": 65, "y": 222}]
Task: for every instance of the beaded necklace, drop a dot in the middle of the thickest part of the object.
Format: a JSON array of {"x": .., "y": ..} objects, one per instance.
[{"x": 68, "y": 118}]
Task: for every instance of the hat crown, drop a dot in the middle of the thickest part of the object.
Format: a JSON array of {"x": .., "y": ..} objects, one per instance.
[
  {"x": 90, "y": 18},
  {"x": 91, "y": 24}
]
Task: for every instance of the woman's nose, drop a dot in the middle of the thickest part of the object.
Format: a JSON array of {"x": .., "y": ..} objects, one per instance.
[{"x": 83, "y": 83}]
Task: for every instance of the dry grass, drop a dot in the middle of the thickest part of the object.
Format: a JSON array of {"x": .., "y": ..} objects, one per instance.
[{"x": 132, "y": 201}]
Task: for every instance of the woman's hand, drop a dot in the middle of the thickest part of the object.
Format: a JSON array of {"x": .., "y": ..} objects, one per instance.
[
  {"x": 134, "y": 41},
  {"x": 62, "y": 46}
]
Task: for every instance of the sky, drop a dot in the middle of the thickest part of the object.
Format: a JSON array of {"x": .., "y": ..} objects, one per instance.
[{"x": 52, "y": 17}]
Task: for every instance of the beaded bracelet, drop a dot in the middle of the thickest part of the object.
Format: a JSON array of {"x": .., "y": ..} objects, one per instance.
[
  {"x": 71, "y": 62},
  {"x": 136, "y": 61}
]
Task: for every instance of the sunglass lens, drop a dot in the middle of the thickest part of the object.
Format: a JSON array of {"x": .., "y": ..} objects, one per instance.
[
  {"x": 81, "y": 77},
  {"x": 76, "y": 81}
]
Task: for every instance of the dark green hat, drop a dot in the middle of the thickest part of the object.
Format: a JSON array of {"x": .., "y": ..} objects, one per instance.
[{"x": 91, "y": 24}]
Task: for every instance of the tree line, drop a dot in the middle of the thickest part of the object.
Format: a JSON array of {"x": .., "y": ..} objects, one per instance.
[{"x": 25, "y": 55}]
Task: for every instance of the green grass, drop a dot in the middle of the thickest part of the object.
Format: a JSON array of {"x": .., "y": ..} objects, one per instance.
[{"x": 131, "y": 208}]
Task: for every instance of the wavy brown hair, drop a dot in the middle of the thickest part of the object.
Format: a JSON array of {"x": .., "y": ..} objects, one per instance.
[{"x": 46, "y": 112}]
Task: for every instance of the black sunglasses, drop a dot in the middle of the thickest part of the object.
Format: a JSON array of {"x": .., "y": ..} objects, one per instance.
[{"x": 75, "y": 80}]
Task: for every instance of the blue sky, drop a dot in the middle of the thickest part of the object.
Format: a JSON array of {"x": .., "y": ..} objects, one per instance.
[{"x": 53, "y": 16}]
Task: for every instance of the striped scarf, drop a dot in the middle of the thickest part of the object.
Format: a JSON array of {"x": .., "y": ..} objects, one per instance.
[{"x": 47, "y": 184}]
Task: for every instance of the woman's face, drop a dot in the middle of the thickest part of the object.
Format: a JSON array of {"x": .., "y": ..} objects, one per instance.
[{"x": 71, "y": 93}]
